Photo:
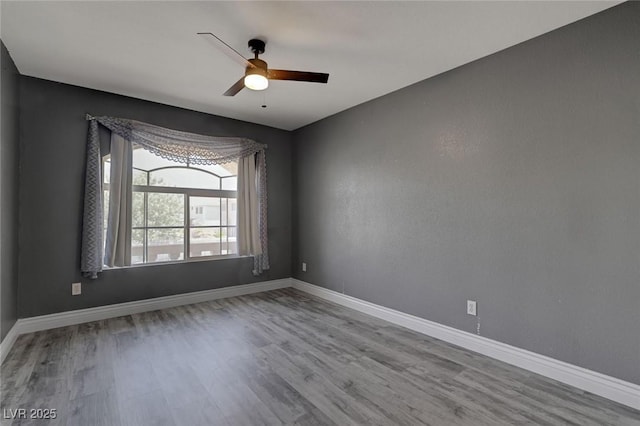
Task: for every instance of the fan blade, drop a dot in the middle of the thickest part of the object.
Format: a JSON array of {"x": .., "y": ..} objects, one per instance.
[
  {"x": 238, "y": 86},
  {"x": 312, "y": 77},
  {"x": 236, "y": 57}
]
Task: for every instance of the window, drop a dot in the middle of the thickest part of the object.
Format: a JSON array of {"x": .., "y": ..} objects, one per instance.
[{"x": 179, "y": 211}]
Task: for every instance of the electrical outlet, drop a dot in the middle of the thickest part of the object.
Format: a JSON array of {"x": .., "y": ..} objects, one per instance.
[
  {"x": 304, "y": 266},
  {"x": 76, "y": 289},
  {"x": 471, "y": 307}
]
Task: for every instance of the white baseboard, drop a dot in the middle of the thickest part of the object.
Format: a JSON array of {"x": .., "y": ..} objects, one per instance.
[
  {"x": 8, "y": 341},
  {"x": 606, "y": 386},
  {"x": 62, "y": 319}
]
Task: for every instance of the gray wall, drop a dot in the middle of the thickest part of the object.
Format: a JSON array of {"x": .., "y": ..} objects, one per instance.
[
  {"x": 513, "y": 181},
  {"x": 53, "y": 141},
  {"x": 8, "y": 192}
]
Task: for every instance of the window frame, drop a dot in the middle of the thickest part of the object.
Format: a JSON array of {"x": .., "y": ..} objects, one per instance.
[{"x": 186, "y": 226}]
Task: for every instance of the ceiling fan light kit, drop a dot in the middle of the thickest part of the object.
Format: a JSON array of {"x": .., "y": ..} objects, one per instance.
[
  {"x": 256, "y": 78},
  {"x": 257, "y": 74}
]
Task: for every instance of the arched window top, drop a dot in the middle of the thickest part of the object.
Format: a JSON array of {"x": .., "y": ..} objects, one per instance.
[
  {"x": 151, "y": 170},
  {"x": 145, "y": 161}
]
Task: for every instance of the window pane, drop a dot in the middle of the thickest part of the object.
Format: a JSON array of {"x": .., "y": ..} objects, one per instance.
[
  {"x": 105, "y": 214},
  {"x": 137, "y": 209},
  {"x": 223, "y": 211},
  {"x": 106, "y": 171},
  {"x": 165, "y": 209},
  {"x": 229, "y": 169},
  {"x": 105, "y": 207},
  {"x": 204, "y": 242},
  {"x": 232, "y": 211},
  {"x": 165, "y": 244},
  {"x": 137, "y": 246},
  {"x": 139, "y": 177},
  {"x": 230, "y": 183},
  {"x": 184, "y": 178},
  {"x": 143, "y": 159},
  {"x": 204, "y": 211},
  {"x": 229, "y": 244}
]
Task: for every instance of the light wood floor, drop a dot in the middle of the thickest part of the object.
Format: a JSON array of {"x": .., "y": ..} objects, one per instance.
[{"x": 280, "y": 357}]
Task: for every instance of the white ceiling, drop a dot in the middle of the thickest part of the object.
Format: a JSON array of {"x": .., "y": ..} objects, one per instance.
[{"x": 150, "y": 50}]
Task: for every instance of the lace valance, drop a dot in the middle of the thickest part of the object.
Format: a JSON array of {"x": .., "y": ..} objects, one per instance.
[{"x": 179, "y": 146}]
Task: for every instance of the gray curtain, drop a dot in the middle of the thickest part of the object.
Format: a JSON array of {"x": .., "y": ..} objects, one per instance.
[
  {"x": 249, "y": 242},
  {"x": 174, "y": 145},
  {"x": 92, "y": 223},
  {"x": 261, "y": 261},
  {"x": 117, "y": 250}
]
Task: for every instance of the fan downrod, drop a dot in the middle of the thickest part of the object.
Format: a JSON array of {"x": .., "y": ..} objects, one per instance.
[{"x": 256, "y": 46}]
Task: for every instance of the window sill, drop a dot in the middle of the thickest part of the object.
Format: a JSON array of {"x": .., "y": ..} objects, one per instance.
[{"x": 176, "y": 262}]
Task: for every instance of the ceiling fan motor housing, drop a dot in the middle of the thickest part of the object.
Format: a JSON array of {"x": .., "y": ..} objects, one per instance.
[
  {"x": 258, "y": 63},
  {"x": 259, "y": 67}
]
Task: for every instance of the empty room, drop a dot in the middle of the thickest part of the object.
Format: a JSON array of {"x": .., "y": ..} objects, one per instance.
[{"x": 320, "y": 213}]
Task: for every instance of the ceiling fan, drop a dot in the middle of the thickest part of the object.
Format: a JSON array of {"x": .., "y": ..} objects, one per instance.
[{"x": 257, "y": 74}]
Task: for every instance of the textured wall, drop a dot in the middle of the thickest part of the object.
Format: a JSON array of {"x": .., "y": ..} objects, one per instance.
[
  {"x": 513, "y": 181},
  {"x": 8, "y": 192},
  {"x": 53, "y": 140}
]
